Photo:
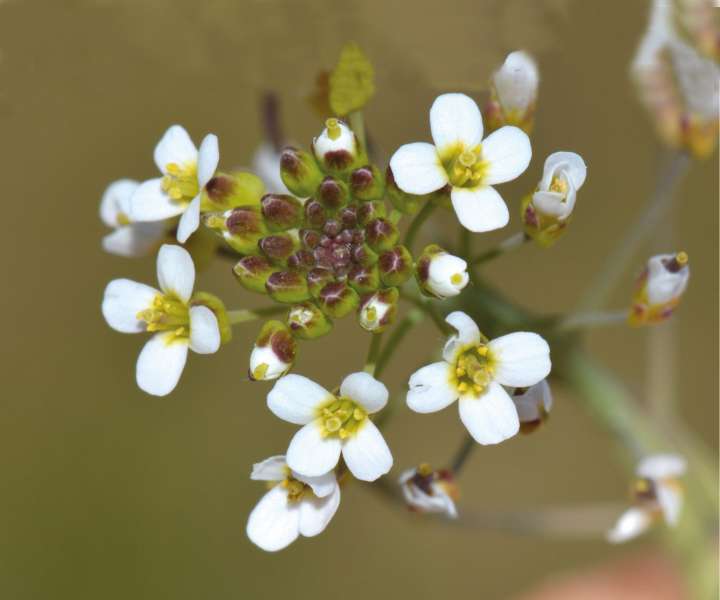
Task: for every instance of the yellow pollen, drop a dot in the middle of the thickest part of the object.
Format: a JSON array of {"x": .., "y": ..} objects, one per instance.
[
  {"x": 167, "y": 313},
  {"x": 456, "y": 279},
  {"x": 559, "y": 185},
  {"x": 467, "y": 159},
  {"x": 340, "y": 417},
  {"x": 682, "y": 258},
  {"x": 180, "y": 181},
  {"x": 459, "y": 371},
  {"x": 424, "y": 469},
  {"x": 482, "y": 350},
  {"x": 462, "y": 386},
  {"x": 371, "y": 314},
  {"x": 473, "y": 370},
  {"x": 333, "y": 128},
  {"x": 122, "y": 219}
]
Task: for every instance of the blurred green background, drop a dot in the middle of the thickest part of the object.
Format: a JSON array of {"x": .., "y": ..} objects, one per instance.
[{"x": 109, "y": 493}]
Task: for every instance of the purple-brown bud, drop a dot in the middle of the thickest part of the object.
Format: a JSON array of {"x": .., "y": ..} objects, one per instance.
[
  {"x": 396, "y": 266},
  {"x": 333, "y": 194},
  {"x": 338, "y": 299},
  {"x": 314, "y": 214},
  {"x": 307, "y": 321},
  {"x": 299, "y": 171},
  {"x": 279, "y": 247},
  {"x": 227, "y": 190},
  {"x": 288, "y": 287},
  {"x": 281, "y": 212},
  {"x": 364, "y": 279},
  {"x": 317, "y": 279},
  {"x": 241, "y": 227},
  {"x": 367, "y": 183},
  {"x": 252, "y": 272},
  {"x": 381, "y": 234},
  {"x": 368, "y": 211}
]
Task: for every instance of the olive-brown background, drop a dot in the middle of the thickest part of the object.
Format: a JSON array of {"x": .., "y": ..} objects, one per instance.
[{"x": 108, "y": 493}]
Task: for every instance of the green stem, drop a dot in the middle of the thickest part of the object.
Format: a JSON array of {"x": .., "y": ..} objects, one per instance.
[
  {"x": 243, "y": 315},
  {"x": 462, "y": 454},
  {"x": 399, "y": 332},
  {"x": 588, "y": 320},
  {"x": 373, "y": 353},
  {"x": 514, "y": 241},
  {"x": 357, "y": 124},
  {"x": 417, "y": 223}
]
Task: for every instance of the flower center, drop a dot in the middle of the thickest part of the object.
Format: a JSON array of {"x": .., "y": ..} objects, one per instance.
[
  {"x": 559, "y": 184},
  {"x": 341, "y": 417},
  {"x": 295, "y": 489},
  {"x": 122, "y": 219},
  {"x": 473, "y": 370},
  {"x": 167, "y": 313},
  {"x": 333, "y": 128},
  {"x": 180, "y": 182},
  {"x": 465, "y": 166}
]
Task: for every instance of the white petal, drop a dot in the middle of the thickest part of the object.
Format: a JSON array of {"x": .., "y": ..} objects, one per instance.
[
  {"x": 662, "y": 466},
  {"x": 160, "y": 364},
  {"x": 312, "y": 455},
  {"x": 467, "y": 334},
  {"x": 664, "y": 285},
  {"x": 266, "y": 165},
  {"x": 116, "y": 200},
  {"x": 417, "y": 169},
  {"x": 516, "y": 82},
  {"x": 137, "y": 239},
  {"x": 270, "y": 469},
  {"x": 508, "y": 153},
  {"x": 569, "y": 164},
  {"x": 492, "y": 417},
  {"x": 322, "y": 485},
  {"x": 442, "y": 274},
  {"x": 535, "y": 398},
  {"x": 274, "y": 523},
  {"x": 316, "y": 513},
  {"x": 190, "y": 220},
  {"x": 631, "y": 523},
  {"x": 479, "y": 209},
  {"x": 296, "y": 399},
  {"x": 204, "y": 330},
  {"x": 208, "y": 159},
  {"x": 430, "y": 388},
  {"x": 265, "y": 365},
  {"x": 364, "y": 389},
  {"x": 670, "y": 499},
  {"x": 150, "y": 203},
  {"x": 175, "y": 271},
  {"x": 345, "y": 142},
  {"x": 554, "y": 204},
  {"x": 521, "y": 358},
  {"x": 455, "y": 118},
  {"x": 367, "y": 454},
  {"x": 123, "y": 300},
  {"x": 176, "y": 147}
]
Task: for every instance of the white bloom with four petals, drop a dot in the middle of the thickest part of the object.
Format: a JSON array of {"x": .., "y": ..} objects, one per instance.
[
  {"x": 333, "y": 425},
  {"x": 474, "y": 371},
  {"x": 186, "y": 170},
  {"x": 295, "y": 505},
  {"x": 131, "y": 307},
  {"x": 462, "y": 159}
]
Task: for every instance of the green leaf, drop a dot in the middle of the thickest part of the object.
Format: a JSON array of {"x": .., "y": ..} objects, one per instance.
[{"x": 352, "y": 82}]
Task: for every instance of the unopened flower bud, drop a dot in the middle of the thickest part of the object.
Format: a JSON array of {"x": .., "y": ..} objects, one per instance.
[
  {"x": 299, "y": 171},
  {"x": 287, "y": 286},
  {"x": 659, "y": 288},
  {"x": 228, "y": 190},
  {"x": 317, "y": 279},
  {"x": 547, "y": 212},
  {"x": 367, "y": 183},
  {"x": 218, "y": 308},
  {"x": 279, "y": 247},
  {"x": 533, "y": 405},
  {"x": 307, "y": 321},
  {"x": 253, "y": 272},
  {"x": 274, "y": 352},
  {"x": 441, "y": 274},
  {"x": 514, "y": 92},
  {"x": 336, "y": 148},
  {"x": 429, "y": 491},
  {"x": 338, "y": 299},
  {"x": 378, "y": 310},
  {"x": 364, "y": 255},
  {"x": 333, "y": 193},
  {"x": 364, "y": 279},
  {"x": 381, "y": 234},
  {"x": 315, "y": 215},
  {"x": 368, "y": 211},
  {"x": 281, "y": 212},
  {"x": 396, "y": 266},
  {"x": 241, "y": 227}
]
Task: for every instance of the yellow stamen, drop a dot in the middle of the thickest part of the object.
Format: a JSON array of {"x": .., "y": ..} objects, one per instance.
[
  {"x": 333, "y": 128},
  {"x": 682, "y": 258}
]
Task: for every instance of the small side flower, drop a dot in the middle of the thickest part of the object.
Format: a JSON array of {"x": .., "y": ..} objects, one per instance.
[
  {"x": 514, "y": 88},
  {"x": 428, "y": 491},
  {"x": 659, "y": 288}
]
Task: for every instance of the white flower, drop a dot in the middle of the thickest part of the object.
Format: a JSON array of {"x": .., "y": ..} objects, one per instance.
[
  {"x": 295, "y": 505},
  {"x": 563, "y": 175},
  {"x": 265, "y": 364},
  {"x": 129, "y": 239},
  {"x": 660, "y": 288},
  {"x": 266, "y": 165},
  {"x": 657, "y": 494},
  {"x": 461, "y": 159},
  {"x": 336, "y": 145},
  {"x": 516, "y": 84},
  {"x": 333, "y": 425},
  {"x": 533, "y": 405},
  {"x": 429, "y": 491},
  {"x": 131, "y": 307},
  {"x": 186, "y": 170},
  {"x": 447, "y": 275},
  {"x": 474, "y": 370}
]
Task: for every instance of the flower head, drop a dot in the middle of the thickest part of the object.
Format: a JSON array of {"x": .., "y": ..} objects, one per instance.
[
  {"x": 474, "y": 370},
  {"x": 660, "y": 288},
  {"x": 128, "y": 238},
  {"x": 429, "y": 491},
  {"x": 333, "y": 425},
  {"x": 461, "y": 159},
  {"x": 514, "y": 92},
  {"x": 533, "y": 405},
  {"x": 177, "y": 322},
  {"x": 441, "y": 274},
  {"x": 186, "y": 171},
  {"x": 336, "y": 147},
  {"x": 657, "y": 495},
  {"x": 295, "y": 505},
  {"x": 273, "y": 353}
]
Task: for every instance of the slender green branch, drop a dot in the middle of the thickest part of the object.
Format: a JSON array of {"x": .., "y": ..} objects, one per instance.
[
  {"x": 373, "y": 353},
  {"x": 462, "y": 453},
  {"x": 465, "y": 243},
  {"x": 514, "y": 241},
  {"x": 399, "y": 332},
  {"x": 243, "y": 315},
  {"x": 588, "y": 320},
  {"x": 357, "y": 124},
  {"x": 417, "y": 223}
]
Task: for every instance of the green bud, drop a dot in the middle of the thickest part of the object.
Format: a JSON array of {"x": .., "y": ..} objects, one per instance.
[
  {"x": 338, "y": 299},
  {"x": 406, "y": 203},
  {"x": 368, "y": 211},
  {"x": 307, "y": 321},
  {"x": 288, "y": 287},
  {"x": 317, "y": 279},
  {"x": 381, "y": 234},
  {"x": 279, "y": 247},
  {"x": 315, "y": 215},
  {"x": 396, "y": 266},
  {"x": 333, "y": 193},
  {"x": 299, "y": 171},
  {"x": 377, "y": 311},
  {"x": 364, "y": 255},
  {"x": 367, "y": 183},
  {"x": 225, "y": 191},
  {"x": 274, "y": 352},
  {"x": 252, "y": 272},
  {"x": 241, "y": 227},
  {"x": 281, "y": 212},
  {"x": 364, "y": 279},
  {"x": 216, "y": 305}
]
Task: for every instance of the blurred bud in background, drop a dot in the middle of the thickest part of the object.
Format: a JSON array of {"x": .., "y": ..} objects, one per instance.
[
  {"x": 429, "y": 491},
  {"x": 514, "y": 89},
  {"x": 533, "y": 405},
  {"x": 659, "y": 288}
]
